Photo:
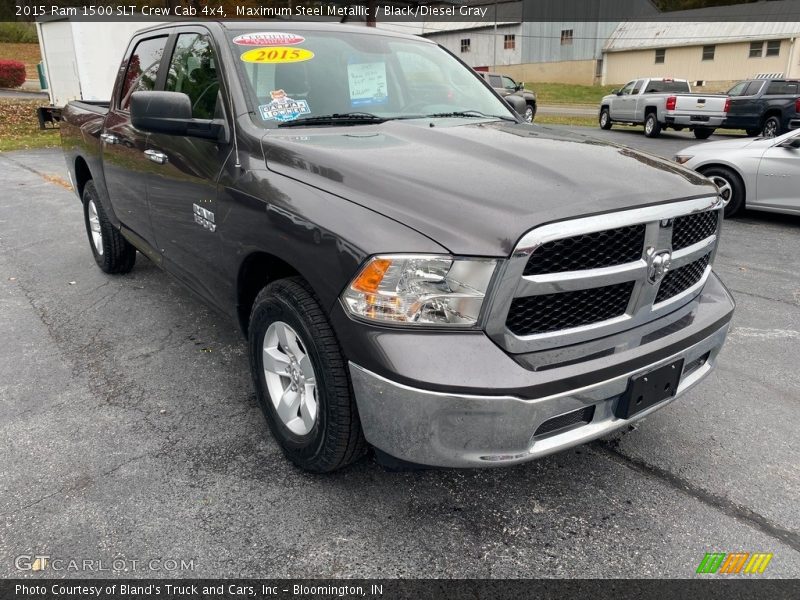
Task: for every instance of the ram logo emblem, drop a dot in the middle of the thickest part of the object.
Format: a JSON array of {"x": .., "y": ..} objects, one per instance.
[{"x": 658, "y": 263}]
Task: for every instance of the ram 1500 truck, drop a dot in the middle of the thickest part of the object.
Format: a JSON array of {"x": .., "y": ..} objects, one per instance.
[
  {"x": 663, "y": 103},
  {"x": 768, "y": 107},
  {"x": 423, "y": 274}
]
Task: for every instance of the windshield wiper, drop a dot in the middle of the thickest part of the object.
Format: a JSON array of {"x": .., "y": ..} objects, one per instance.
[
  {"x": 470, "y": 114},
  {"x": 349, "y": 118}
]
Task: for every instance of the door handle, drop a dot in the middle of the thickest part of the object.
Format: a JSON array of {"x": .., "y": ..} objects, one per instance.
[
  {"x": 156, "y": 156},
  {"x": 109, "y": 138}
]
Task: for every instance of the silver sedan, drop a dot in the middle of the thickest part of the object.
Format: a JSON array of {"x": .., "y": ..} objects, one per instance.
[{"x": 761, "y": 173}]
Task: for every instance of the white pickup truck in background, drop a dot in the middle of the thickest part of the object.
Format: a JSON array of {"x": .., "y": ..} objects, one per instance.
[{"x": 664, "y": 103}]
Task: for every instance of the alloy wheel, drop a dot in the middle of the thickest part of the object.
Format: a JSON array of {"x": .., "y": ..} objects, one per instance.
[{"x": 94, "y": 227}]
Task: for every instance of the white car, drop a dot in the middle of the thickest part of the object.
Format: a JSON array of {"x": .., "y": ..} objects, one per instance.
[{"x": 761, "y": 173}]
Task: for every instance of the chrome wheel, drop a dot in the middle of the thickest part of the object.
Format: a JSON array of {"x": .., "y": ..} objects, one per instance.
[
  {"x": 290, "y": 377},
  {"x": 648, "y": 126},
  {"x": 528, "y": 116},
  {"x": 771, "y": 127},
  {"x": 603, "y": 118},
  {"x": 94, "y": 227},
  {"x": 725, "y": 188}
]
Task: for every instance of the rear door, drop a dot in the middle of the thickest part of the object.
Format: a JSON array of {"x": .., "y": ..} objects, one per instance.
[
  {"x": 182, "y": 185},
  {"x": 124, "y": 163},
  {"x": 745, "y": 107}
]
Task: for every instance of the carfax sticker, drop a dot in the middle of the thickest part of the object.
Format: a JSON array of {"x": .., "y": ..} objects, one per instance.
[
  {"x": 283, "y": 108},
  {"x": 277, "y": 55},
  {"x": 268, "y": 38}
]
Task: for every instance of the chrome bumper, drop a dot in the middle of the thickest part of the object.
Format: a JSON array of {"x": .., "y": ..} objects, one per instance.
[{"x": 456, "y": 430}]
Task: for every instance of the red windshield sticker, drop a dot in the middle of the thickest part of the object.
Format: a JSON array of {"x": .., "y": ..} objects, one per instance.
[{"x": 268, "y": 38}]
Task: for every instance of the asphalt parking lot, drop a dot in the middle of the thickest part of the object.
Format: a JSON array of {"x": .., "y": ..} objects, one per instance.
[{"x": 130, "y": 430}]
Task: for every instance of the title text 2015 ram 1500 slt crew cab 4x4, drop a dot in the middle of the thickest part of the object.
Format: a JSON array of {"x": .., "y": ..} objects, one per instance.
[
  {"x": 422, "y": 273},
  {"x": 661, "y": 103}
]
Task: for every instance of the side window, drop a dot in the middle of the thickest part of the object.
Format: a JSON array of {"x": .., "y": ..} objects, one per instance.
[
  {"x": 776, "y": 88},
  {"x": 739, "y": 89},
  {"x": 142, "y": 69},
  {"x": 509, "y": 83},
  {"x": 753, "y": 88},
  {"x": 495, "y": 81},
  {"x": 637, "y": 86},
  {"x": 193, "y": 71},
  {"x": 626, "y": 91}
]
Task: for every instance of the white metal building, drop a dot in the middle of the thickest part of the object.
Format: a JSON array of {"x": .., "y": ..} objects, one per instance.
[{"x": 710, "y": 55}]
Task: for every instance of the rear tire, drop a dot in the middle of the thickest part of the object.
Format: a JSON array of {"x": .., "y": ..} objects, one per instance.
[
  {"x": 652, "y": 128},
  {"x": 605, "y": 119},
  {"x": 320, "y": 430},
  {"x": 731, "y": 188},
  {"x": 112, "y": 252},
  {"x": 703, "y": 133}
]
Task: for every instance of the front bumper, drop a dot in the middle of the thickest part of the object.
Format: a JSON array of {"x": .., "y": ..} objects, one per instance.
[{"x": 479, "y": 428}]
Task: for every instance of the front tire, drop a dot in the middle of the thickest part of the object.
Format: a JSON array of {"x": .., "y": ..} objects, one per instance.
[
  {"x": 605, "y": 119},
  {"x": 703, "y": 133},
  {"x": 772, "y": 127},
  {"x": 530, "y": 113},
  {"x": 731, "y": 188},
  {"x": 652, "y": 128},
  {"x": 301, "y": 379},
  {"x": 112, "y": 252}
]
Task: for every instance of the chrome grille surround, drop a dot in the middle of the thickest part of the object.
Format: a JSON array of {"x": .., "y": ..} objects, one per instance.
[{"x": 511, "y": 283}]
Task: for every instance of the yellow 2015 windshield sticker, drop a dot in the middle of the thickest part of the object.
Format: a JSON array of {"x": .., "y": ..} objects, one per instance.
[{"x": 278, "y": 54}]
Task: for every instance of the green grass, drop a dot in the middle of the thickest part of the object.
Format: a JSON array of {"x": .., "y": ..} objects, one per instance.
[
  {"x": 19, "y": 128},
  {"x": 566, "y": 93}
]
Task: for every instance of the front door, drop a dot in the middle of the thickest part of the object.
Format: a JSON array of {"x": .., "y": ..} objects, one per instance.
[
  {"x": 124, "y": 163},
  {"x": 622, "y": 105},
  {"x": 779, "y": 177},
  {"x": 183, "y": 185}
]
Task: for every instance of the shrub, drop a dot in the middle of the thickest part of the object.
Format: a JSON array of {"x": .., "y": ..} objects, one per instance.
[{"x": 12, "y": 73}]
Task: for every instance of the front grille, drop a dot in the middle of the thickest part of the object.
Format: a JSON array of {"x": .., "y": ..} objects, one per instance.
[
  {"x": 690, "y": 229},
  {"x": 582, "y": 415},
  {"x": 551, "y": 312},
  {"x": 682, "y": 279},
  {"x": 589, "y": 251}
]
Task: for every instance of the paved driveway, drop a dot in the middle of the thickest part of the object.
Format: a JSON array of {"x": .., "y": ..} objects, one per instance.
[{"x": 129, "y": 429}]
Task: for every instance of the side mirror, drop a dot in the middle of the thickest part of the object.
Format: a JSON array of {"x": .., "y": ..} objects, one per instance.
[
  {"x": 171, "y": 113},
  {"x": 520, "y": 86},
  {"x": 617, "y": 92}
]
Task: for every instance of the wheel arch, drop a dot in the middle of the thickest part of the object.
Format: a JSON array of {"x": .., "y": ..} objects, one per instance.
[
  {"x": 83, "y": 174},
  {"x": 255, "y": 271},
  {"x": 725, "y": 165}
]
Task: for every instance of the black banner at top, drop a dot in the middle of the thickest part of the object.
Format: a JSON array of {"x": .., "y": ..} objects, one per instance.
[{"x": 421, "y": 11}]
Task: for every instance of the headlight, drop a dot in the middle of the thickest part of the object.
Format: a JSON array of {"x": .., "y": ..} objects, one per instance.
[
  {"x": 415, "y": 289},
  {"x": 683, "y": 158}
]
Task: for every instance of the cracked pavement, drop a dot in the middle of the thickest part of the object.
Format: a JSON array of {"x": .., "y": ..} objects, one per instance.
[{"x": 129, "y": 428}]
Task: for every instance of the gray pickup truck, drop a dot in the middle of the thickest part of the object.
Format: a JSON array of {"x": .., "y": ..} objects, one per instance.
[
  {"x": 415, "y": 268},
  {"x": 509, "y": 89},
  {"x": 660, "y": 103}
]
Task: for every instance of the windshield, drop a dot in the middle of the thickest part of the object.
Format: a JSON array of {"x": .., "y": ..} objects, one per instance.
[{"x": 312, "y": 74}]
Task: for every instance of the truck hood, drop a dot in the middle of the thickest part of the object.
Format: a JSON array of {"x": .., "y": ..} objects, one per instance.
[{"x": 476, "y": 187}]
